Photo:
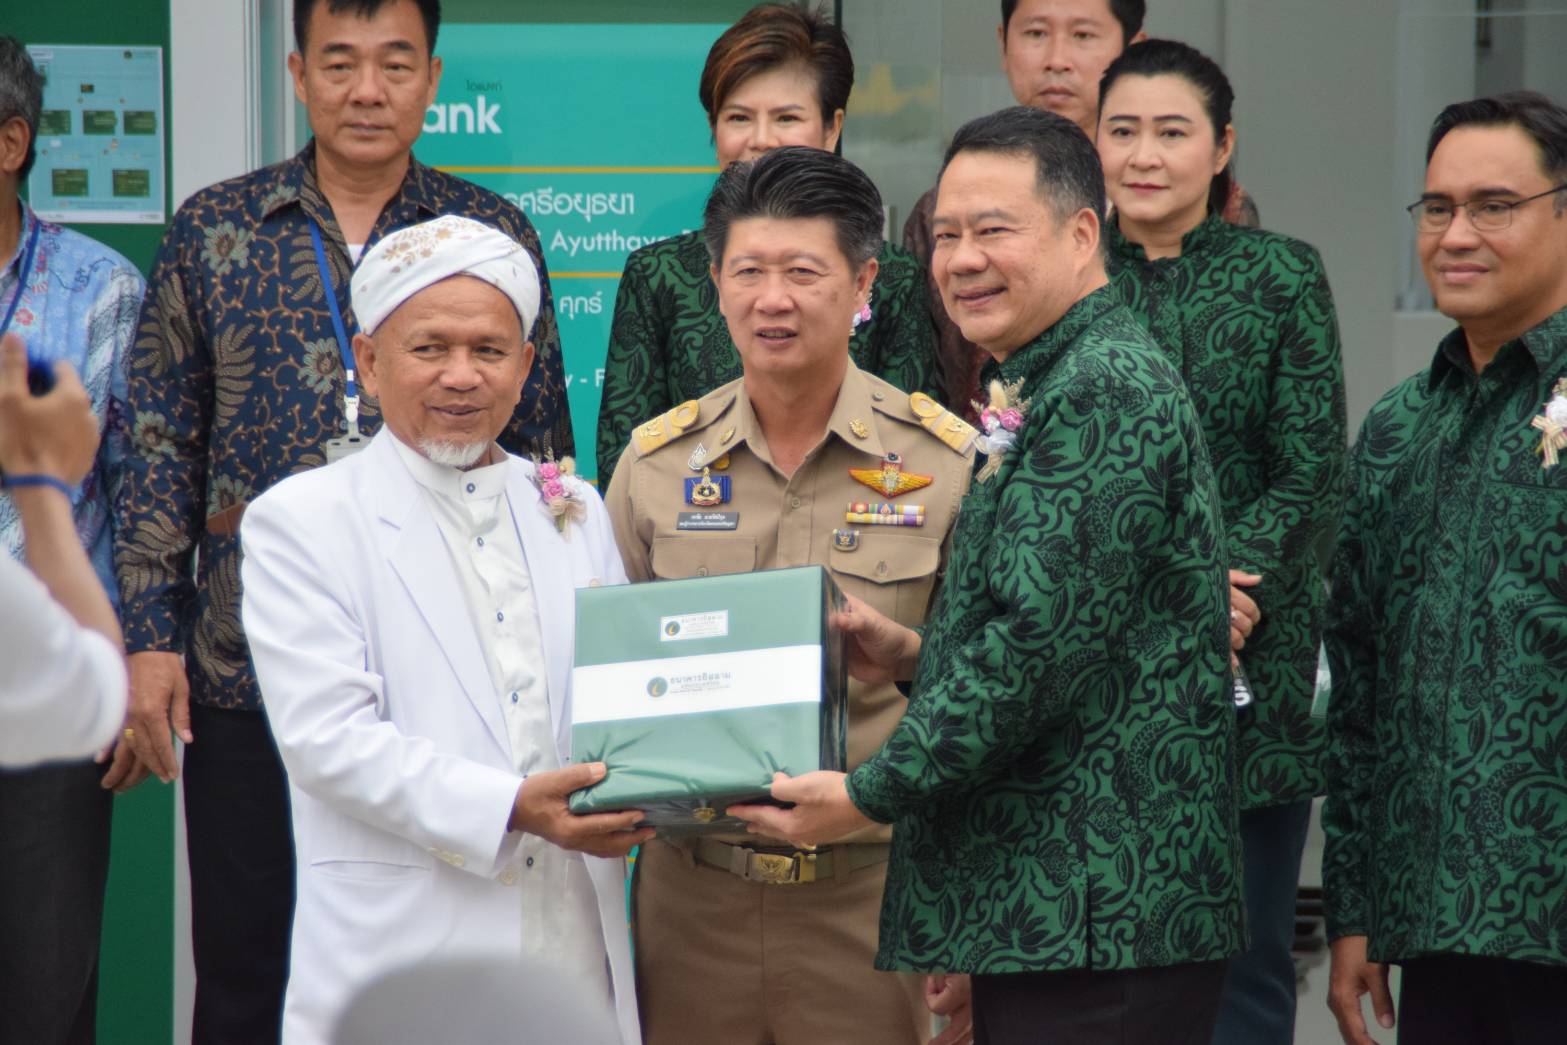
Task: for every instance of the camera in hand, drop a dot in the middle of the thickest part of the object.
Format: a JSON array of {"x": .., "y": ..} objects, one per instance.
[{"x": 40, "y": 376}]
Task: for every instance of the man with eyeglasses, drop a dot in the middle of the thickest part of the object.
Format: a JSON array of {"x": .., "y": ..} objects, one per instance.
[{"x": 1446, "y": 816}]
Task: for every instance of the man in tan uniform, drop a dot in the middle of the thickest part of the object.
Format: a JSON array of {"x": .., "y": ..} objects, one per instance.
[{"x": 805, "y": 459}]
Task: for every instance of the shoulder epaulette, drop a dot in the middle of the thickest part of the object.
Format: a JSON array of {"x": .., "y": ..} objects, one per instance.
[
  {"x": 943, "y": 423},
  {"x": 653, "y": 434}
]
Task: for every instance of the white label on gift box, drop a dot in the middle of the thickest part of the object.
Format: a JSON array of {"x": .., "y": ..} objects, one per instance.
[
  {"x": 711, "y": 625},
  {"x": 692, "y": 685}
]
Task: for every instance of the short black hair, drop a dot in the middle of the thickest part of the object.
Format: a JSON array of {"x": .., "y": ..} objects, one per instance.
[
  {"x": 797, "y": 182},
  {"x": 1067, "y": 172},
  {"x": 1173, "y": 58},
  {"x": 1536, "y": 115},
  {"x": 21, "y": 94},
  {"x": 1130, "y": 13},
  {"x": 429, "y": 11}
]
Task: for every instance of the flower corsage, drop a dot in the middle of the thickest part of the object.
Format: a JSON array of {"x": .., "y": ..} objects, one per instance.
[
  {"x": 1000, "y": 418},
  {"x": 561, "y": 489},
  {"x": 1552, "y": 424}
]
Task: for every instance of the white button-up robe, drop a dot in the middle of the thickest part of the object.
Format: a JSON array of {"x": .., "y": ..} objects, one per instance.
[{"x": 392, "y": 710}]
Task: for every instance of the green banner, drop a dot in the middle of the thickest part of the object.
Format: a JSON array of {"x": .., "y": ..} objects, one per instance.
[{"x": 595, "y": 131}]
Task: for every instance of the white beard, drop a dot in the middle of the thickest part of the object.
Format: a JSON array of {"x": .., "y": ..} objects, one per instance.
[{"x": 453, "y": 455}]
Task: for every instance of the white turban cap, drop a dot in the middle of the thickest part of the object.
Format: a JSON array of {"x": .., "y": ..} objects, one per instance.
[{"x": 410, "y": 259}]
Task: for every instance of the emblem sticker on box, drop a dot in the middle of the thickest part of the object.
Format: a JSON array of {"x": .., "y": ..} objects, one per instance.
[{"x": 714, "y": 625}]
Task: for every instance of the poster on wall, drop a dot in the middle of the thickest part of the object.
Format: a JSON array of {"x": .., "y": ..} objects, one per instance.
[
  {"x": 100, "y": 135},
  {"x": 595, "y": 131}
]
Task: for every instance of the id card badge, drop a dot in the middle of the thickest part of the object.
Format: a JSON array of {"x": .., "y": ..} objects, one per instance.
[{"x": 341, "y": 446}]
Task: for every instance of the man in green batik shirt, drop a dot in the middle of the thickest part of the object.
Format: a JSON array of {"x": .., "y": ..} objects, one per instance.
[
  {"x": 1062, "y": 782},
  {"x": 1446, "y": 818}
]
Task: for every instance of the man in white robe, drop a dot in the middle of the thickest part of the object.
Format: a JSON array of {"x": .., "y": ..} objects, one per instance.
[{"x": 410, "y": 611}]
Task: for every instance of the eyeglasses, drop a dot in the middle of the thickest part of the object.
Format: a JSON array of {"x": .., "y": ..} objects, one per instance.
[{"x": 1484, "y": 215}]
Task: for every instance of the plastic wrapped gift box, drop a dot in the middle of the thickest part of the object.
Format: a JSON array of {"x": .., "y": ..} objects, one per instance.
[{"x": 695, "y": 692}]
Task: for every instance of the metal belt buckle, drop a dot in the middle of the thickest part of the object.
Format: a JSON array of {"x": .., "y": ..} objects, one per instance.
[{"x": 774, "y": 869}]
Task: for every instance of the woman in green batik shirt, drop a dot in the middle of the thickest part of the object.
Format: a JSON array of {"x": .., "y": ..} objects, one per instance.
[
  {"x": 1248, "y": 318},
  {"x": 778, "y": 76}
]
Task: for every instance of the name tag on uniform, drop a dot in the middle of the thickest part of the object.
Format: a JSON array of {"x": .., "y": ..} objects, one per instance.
[{"x": 707, "y": 521}]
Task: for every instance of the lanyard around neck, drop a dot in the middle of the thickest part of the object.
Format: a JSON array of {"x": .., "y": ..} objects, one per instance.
[
  {"x": 344, "y": 346},
  {"x": 22, "y": 276}
]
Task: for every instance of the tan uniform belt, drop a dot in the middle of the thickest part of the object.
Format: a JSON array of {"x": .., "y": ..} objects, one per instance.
[
  {"x": 226, "y": 522},
  {"x": 787, "y": 867}
]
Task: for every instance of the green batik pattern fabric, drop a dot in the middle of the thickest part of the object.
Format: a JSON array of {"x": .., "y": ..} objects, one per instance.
[
  {"x": 1247, "y": 318},
  {"x": 1446, "y": 816},
  {"x": 668, "y": 342},
  {"x": 1063, "y": 782}
]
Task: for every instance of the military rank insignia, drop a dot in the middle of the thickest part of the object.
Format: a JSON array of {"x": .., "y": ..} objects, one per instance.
[
  {"x": 890, "y": 480},
  {"x": 705, "y": 491},
  {"x": 871, "y": 513}
]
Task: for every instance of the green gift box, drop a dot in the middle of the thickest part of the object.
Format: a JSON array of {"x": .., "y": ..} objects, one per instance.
[{"x": 695, "y": 692}]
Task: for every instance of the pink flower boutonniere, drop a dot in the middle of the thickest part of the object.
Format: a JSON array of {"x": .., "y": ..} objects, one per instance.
[
  {"x": 561, "y": 489},
  {"x": 1552, "y": 425},
  {"x": 1001, "y": 418}
]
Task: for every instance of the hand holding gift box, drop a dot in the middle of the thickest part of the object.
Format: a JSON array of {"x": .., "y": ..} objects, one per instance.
[
  {"x": 816, "y": 806},
  {"x": 695, "y": 693},
  {"x": 816, "y": 809},
  {"x": 541, "y": 809}
]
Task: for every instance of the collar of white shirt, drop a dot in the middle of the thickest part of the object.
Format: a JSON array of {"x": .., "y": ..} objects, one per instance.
[{"x": 455, "y": 484}]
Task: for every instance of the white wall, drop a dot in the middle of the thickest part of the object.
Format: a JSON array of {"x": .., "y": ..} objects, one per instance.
[
  {"x": 212, "y": 77},
  {"x": 1200, "y": 23},
  {"x": 213, "y": 54},
  {"x": 1316, "y": 116},
  {"x": 232, "y": 106}
]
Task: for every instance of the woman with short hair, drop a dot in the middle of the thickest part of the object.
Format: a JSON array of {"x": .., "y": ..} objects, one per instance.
[{"x": 781, "y": 75}]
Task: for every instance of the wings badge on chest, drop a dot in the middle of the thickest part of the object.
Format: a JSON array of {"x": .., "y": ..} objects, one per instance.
[{"x": 890, "y": 480}]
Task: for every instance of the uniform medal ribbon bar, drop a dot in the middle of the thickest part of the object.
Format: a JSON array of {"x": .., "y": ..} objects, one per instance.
[{"x": 882, "y": 513}]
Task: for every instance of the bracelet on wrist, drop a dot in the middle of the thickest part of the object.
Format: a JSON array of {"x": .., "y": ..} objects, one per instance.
[{"x": 11, "y": 481}]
